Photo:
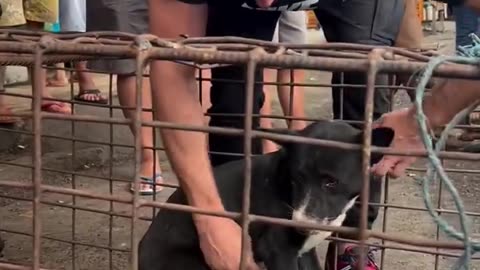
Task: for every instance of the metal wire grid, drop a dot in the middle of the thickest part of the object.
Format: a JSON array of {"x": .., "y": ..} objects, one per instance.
[{"x": 33, "y": 49}]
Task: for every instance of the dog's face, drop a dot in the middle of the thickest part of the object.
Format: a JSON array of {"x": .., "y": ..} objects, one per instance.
[{"x": 326, "y": 181}]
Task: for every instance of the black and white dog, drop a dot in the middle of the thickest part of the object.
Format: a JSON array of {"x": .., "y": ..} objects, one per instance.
[{"x": 300, "y": 182}]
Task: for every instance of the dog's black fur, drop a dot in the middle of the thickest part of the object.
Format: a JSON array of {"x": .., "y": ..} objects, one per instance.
[{"x": 282, "y": 182}]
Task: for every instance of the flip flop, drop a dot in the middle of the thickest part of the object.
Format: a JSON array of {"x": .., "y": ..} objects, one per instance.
[
  {"x": 57, "y": 107},
  {"x": 97, "y": 93},
  {"x": 150, "y": 182}
]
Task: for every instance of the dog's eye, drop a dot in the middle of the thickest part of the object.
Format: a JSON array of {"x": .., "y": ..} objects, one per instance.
[{"x": 331, "y": 183}]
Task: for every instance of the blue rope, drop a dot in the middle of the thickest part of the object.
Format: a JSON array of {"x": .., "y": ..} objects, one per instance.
[{"x": 468, "y": 55}]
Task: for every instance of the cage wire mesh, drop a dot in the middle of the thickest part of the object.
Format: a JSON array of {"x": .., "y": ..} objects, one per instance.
[{"x": 64, "y": 193}]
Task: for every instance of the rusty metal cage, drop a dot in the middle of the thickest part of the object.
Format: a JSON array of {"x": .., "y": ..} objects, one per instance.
[{"x": 71, "y": 215}]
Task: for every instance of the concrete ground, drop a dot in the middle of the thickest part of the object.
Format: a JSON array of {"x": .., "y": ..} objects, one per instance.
[{"x": 91, "y": 161}]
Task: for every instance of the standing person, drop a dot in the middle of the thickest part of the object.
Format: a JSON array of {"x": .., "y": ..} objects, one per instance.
[
  {"x": 59, "y": 78},
  {"x": 32, "y": 15},
  {"x": 291, "y": 28},
  {"x": 466, "y": 23},
  {"x": 410, "y": 36},
  {"x": 128, "y": 16},
  {"x": 73, "y": 19},
  {"x": 175, "y": 96}
]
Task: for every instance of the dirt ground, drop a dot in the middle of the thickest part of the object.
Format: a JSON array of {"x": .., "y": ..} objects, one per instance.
[{"x": 88, "y": 229}]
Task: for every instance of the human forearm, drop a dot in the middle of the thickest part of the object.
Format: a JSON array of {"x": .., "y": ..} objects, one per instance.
[
  {"x": 187, "y": 151},
  {"x": 448, "y": 98}
]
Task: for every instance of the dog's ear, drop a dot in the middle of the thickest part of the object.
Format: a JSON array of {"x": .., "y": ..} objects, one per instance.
[
  {"x": 281, "y": 131},
  {"x": 381, "y": 137}
]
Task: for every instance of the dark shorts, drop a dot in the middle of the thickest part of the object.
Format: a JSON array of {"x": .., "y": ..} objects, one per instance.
[{"x": 129, "y": 16}]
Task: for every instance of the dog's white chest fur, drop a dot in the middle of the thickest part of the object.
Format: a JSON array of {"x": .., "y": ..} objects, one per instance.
[{"x": 316, "y": 237}]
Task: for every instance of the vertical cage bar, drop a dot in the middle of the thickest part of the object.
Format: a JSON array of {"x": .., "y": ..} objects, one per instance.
[
  {"x": 439, "y": 206},
  {"x": 249, "y": 85},
  {"x": 140, "y": 66},
  {"x": 200, "y": 86},
  {"x": 38, "y": 80},
  {"x": 290, "y": 101},
  {"x": 342, "y": 92},
  {"x": 387, "y": 181},
  {"x": 74, "y": 184},
  {"x": 367, "y": 137},
  {"x": 110, "y": 170}
]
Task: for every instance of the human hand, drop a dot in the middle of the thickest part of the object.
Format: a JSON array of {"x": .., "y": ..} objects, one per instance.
[
  {"x": 406, "y": 137},
  {"x": 220, "y": 241}
]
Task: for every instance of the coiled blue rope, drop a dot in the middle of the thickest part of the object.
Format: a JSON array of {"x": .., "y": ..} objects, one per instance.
[{"x": 468, "y": 55}]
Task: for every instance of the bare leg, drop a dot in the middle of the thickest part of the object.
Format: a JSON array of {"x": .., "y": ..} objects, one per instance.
[
  {"x": 47, "y": 105},
  {"x": 126, "y": 88},
  {"x": 268, "y": 146},
  {"x": 284, "y": 94},
  {"x": 85, "y": 78}
]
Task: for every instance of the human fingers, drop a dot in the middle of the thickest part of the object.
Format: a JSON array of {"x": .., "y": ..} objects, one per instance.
[
  {"x": 400, "y": 167},
  {"x": 384, "y": 166}
]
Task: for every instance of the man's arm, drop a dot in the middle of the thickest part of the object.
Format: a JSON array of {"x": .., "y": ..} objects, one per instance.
[{"x": 448, "y": 98}]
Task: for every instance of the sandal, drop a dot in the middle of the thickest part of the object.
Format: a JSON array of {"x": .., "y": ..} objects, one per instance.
[
  {"x": 99, "y": 98},
  {"x": 148, "y": 182},
  {"x": 57, "y": 107}
]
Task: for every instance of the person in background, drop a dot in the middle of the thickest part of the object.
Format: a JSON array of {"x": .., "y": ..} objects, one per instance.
[
  {"x": 73, "y": 19},
  {"x": 410, "y": 36},
  {"x": 128, "y": 16},
  {"x": 59, "y": 78},
  {"x": 466, "y": 23},
  {"x": 291, "y": 28},
  {"x": 32, "y": 15}
]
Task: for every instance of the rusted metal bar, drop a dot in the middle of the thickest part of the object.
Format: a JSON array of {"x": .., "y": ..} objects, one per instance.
[
  {"x": 247, "y": 145},
  {"x": 374, "y": 56},
  {"x": 142, "y": 57},
  {"x": 178, "y": 53},
  {"x": 38, "y": 80}
]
